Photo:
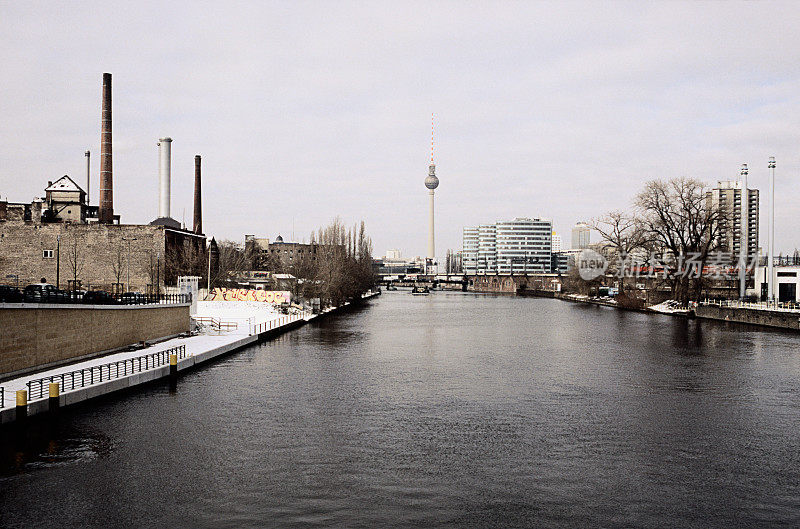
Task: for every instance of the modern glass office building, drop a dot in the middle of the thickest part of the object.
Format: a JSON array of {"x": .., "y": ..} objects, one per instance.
[{"x": 518, "y": 246}]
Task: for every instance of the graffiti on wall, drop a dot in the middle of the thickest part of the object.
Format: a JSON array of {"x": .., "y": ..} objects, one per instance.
[{"x": 244, "y": 294}]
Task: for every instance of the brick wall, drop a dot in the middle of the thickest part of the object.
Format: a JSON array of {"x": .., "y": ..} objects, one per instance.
[
  {"x": 32, "y": 336},
  {"x": 98, "y": 252}
]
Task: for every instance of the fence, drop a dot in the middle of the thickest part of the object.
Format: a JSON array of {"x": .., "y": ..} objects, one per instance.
[
  {"x": 80, "y": 378},
  {"x": 216, "y": 323},
  {"x": 274, "y": 324},
  {"x": 92, "y": 297},
  {"x": 762, "y": 305},
  {"x": 2, "y": 397}
]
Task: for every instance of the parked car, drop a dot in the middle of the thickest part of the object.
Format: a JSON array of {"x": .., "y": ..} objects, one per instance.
[
  {"x": 44, "y": 293},
  {"x": 10, "y": 295},
  {"x": 98, "y": 297},
  {"x": 133, "y": 298},
  {"x": 75, "y": 296}
]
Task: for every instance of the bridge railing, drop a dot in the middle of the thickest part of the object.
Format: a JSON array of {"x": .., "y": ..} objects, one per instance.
[
  {"x": 2, "y": 397},
  {"x": 80, "y": 378}
]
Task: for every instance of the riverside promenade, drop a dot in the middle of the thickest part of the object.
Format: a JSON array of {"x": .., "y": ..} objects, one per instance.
[{"x": 221, "y": 332}]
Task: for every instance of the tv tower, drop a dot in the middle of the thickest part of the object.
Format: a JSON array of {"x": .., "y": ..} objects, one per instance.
[{"x": 431, "y": 182}]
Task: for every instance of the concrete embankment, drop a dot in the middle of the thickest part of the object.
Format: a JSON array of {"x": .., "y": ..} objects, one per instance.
[
  {"x": 767, "y": 318},
  {"x": 38, "y": 336},
  {"x": 196, "y": 350}
]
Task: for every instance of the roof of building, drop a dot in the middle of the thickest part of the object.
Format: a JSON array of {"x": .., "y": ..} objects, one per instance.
[
  {"x": 166, "y": 221},
  {"x": 65, "y": 183}
]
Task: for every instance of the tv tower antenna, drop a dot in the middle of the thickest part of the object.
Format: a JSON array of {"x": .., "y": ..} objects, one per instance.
[{"x": 431, "y": 138}]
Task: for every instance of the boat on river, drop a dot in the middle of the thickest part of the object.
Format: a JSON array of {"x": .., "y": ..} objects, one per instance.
[{"x": 420, "y": 290}]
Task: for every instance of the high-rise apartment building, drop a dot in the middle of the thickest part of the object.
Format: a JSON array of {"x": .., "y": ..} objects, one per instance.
[
  {"x": 581, "y": 236},
  {"x": 728, "y": 196},
  {"x": 518, "y": 246}
]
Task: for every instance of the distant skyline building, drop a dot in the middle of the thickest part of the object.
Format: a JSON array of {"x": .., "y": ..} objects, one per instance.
[
  {"x": 581, "y": 236},
  {"x": 518, "y": 246},
  {"x": 556, "y": 243},
  {"x": 393, "y": 255}
]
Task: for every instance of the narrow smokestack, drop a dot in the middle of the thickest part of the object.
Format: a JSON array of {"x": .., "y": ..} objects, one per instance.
[
  {"x": 198, "y": 208},
  {"x": 88, "y": 174},
  {"x": 106, "y": 210},
  {"x": 164, "y": 170}
]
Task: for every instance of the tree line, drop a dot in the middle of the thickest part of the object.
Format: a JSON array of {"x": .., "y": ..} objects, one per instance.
[
  {"x": 671, "y": 222},
  {"x": 335, "y": 266}
]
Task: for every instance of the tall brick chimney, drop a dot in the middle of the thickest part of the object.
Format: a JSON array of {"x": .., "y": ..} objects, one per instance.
[
  {"x": 106, "y": 210},
  {"x": 198, "y": 207}
]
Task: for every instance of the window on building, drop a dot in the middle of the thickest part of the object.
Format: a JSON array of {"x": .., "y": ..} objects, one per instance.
[{"x": 47, "y": 254}]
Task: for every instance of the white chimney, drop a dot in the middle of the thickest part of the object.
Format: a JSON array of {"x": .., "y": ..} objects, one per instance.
[
  {"x": 88, "y": 174},
  {"x": 164, "y": 163}
]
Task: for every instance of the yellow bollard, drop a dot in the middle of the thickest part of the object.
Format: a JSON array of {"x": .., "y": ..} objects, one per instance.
[
  {"x": 173, "y": 368},
  {"x": 54, "y": 402},
  {"x": 22, "y": 404}
]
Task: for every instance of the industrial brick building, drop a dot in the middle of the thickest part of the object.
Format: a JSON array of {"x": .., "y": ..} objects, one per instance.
[
  {"x": 111, "y": 257},
  {"x": 72, "y": 244}
]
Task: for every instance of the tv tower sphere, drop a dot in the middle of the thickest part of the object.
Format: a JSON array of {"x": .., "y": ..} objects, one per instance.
[{"x": 431, "y": 182}]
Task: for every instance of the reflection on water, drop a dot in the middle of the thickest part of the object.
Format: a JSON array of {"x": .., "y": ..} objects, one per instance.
[
  {"x": 449, "y": 410},
  {"x": 43, "y": 444}
]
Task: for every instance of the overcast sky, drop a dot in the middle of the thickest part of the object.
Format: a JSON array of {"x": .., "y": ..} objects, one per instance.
[{"x": 306, "y": 111}]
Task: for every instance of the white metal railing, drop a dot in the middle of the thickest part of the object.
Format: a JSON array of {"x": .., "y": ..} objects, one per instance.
[
  {"x": 760, "y": 305},
  {"x": 264, "y": 326}
]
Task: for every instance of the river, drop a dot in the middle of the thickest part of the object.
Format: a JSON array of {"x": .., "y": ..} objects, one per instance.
[{"x": 448, "y": 410}]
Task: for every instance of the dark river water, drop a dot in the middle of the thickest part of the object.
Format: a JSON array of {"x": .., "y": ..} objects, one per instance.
[{"x": 449, "y": 410}]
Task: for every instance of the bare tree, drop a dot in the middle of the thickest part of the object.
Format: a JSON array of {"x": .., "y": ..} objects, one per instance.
[
  {"x": 234, "y": 258},
  {"x": 117, "y": 264},
  {"x": 340, "y": 265},
  {"x": 75, "y": 250},
  {"x": 623, "y": 234},
  {"x": 186, "y": 259},
  {"x": 679, "y": 217}
]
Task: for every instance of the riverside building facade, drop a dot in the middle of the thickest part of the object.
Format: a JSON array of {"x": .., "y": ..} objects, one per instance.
[{"x": 519, "y": 246}]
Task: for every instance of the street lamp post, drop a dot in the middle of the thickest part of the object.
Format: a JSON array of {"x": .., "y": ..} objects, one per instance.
[
  {"x": 58, "y": 261},
  {"x": 128, "y": 266},
  {"x": 771, "y": 235},
  {"x": 744, "y": 222}
]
